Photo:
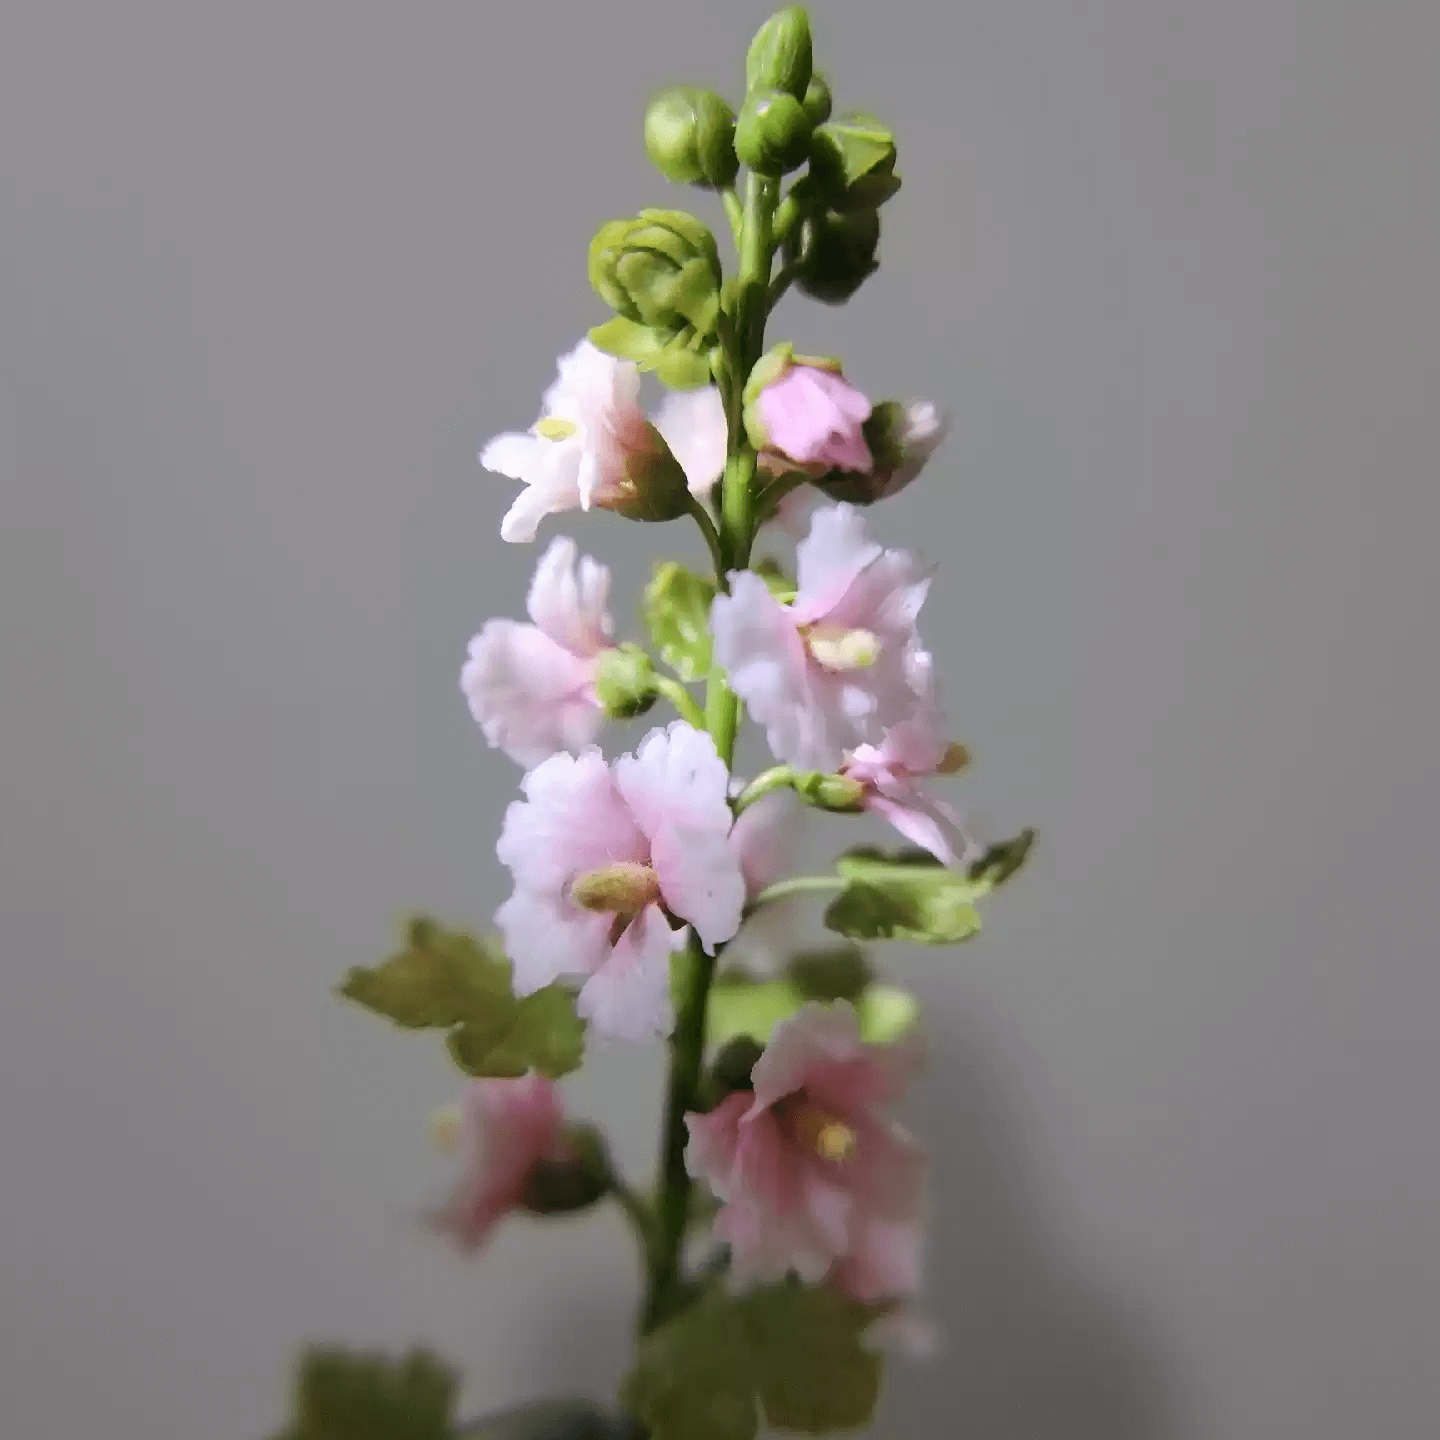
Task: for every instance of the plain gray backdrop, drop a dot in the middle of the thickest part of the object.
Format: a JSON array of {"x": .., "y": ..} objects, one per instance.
[{"x": 270, "y": 272}]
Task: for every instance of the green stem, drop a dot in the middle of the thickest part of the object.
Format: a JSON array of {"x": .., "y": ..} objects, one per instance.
[
  {"x": 734, "y": 212},
  {"x": 777, "y": 777},
  {"x": 779, "y": 285},
  {"x": 665, "y": 1290},
  {"x": 795, "y": 885},
  {"x": 775, "y": 492},
  {"x": 682, "y": 700},
  {"x": 708, "y": 530}
]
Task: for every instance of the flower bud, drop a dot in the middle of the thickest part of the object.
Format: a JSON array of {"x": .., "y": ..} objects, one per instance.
[
  {"x": 574, "y": 1182},
  {"x": 852, "y": 163},
  {"x": 730, "y": 1070},
  {"x": 802, "y": 407},
  {"x": 780, "y": 54},
  {"x": 830, "y": 792},
  {"x": 624, "y": 681},
  {"x": 690, "y": 137},
  {"x": 817, "y": 99},
  {"x": 773, "y": 132},
  {"x": 660, "y": 269},
  {"x": 901, "y": 439},
  {"x": 837, "y": 255}
]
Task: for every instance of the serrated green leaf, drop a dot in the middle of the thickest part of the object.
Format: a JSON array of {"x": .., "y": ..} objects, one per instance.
[
  {"x": 910, "y": 895},
  {"x": 677, "y": 615},
  {"x": 793, "y": 1352},
  {"x": 448, "y": 980},
  {"x": 356, "y": 1395}
]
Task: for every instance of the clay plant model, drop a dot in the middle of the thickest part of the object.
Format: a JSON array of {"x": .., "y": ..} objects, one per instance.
[{"x": 780, "y": 1235}]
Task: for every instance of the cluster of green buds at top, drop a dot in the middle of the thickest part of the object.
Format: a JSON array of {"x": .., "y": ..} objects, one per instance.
[{"x": 659, "y": 270}]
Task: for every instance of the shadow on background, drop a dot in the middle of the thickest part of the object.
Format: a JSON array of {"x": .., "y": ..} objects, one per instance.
[{"x": 1032, "y": 1347}]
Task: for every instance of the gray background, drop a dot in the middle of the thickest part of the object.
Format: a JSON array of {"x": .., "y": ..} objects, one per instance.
[{"x": 269, "y": 273}]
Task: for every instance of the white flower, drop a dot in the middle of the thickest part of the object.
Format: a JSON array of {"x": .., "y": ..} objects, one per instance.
[{"x": 694, "y": 426}]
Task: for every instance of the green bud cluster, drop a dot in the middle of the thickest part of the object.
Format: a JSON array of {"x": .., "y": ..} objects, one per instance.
[
  {"x": 690, "y": 137},
  {"x": 660, "y": 272}
]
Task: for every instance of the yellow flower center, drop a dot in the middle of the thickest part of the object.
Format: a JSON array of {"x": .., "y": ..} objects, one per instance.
[
  {"x": 552, "y": 427},
  {"x": 818, "y": 1130},
  {"x": 836, "y": 648},
  {"x": 622, "y": 889}
]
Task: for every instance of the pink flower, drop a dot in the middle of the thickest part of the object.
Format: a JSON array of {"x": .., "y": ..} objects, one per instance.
[
  {"x": 603, "y": 856},
  {"x": 829, "y": 671},
  {"x": 814, "y": 1176},
  {"x": 765, "y": 838},
  {"x": 812, "y": 415},
  {"x": 506, "y": 1128},
  {"x": 901, "y": 439},
  {"x": 591, "y": 446},
  {"x": 911, "y": 750},
  {"x": 694, "y": 426},
  {"x": 531, "y": 687}
]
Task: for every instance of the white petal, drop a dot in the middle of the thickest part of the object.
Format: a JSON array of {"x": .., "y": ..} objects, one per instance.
[
  {"x": 568, "y": 598},
  {"x": 694, "y": 426},
  {"x": 628, "y": 997}
]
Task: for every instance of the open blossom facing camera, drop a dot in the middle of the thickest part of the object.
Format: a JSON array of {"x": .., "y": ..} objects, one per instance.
[
  {"x": 602, "y": 857},
  {"x": 814, "y": 1175},
  {"x": 831, "y": 670},
  {"x": 505, "y": 1129},
  {"x": 531, "y": 688},
  {"x": 591, "y": 446}
]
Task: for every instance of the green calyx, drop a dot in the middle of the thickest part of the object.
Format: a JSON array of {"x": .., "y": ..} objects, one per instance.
[
  {"x": 573, "y": 1181},
  {"x": 625, "y": 682},
  {"x": 838, "y": 793},
  {"x": 660, "y": 272},
  {"x": 836, "y": 254},
  {"x": 852, "y": 164},
  {"x": 772, "y": 135},
  {"x": 690, "y": 137},
  {"x": 780, "y": 54}
]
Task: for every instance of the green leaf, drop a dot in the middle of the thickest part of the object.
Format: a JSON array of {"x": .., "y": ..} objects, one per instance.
[
  {"x": 447, "y": 980},
  {"x": 839, "y": 973},
  {"x": 677, "y": 614},
  {"x": 911, "y": 896},
  {"x": 355, "y": 1395},
  {"x": 549, "y": 1420},
  {"x": 628, "y": 340},
  {"x": 680, "y": 365},
  {"x": 791, "y": 1352},
  {"x": 740, "y": 1005}
]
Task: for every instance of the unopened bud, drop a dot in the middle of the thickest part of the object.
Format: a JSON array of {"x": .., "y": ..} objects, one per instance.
[
  {"x": 690, "y": 137},
  {"x": 901, "y": 439},
  {"x": 780, "y": 54},
  {"x": 773, "y": 132},
  {"x": 825, "y": 791},
  {"x": 837, "y": 255},
  {"x": 575, "y": 1181},
  {"x": 625, "y": 681},
  {"x": 817, "y": 99},
  {"x": 730, "y": 1070}
]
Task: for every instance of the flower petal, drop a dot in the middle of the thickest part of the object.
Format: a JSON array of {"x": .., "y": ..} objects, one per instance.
[
  {"x": 569, "y": 598},
  {"x": 628, "y": 997}
]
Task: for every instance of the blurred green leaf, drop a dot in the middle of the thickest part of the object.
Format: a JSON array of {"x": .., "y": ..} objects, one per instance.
[
  {"x": 677, "y": 614},
  {"x": 361, "y": 1395},
  {"x": 442, "y": 979},
  {"x": 790, "y": 1352}
]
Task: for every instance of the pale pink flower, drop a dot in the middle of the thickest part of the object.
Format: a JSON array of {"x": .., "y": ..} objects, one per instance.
[
  {"x": 531, "y": 688},
  {"x": 765, "y": 837},
  {"x": 506, "y": 1127},
  {"x": 603, "y": 856},
  {"x": 694, "y": 426},
  {"x": 911, "y": 751},
  {"x": 827, "y": 672},
  {"x": 591, "y": 446},
  {"x": 813, "y": 1174},
  {"x": 812, "y": 415},
  {"x": 901, "y": 438}
]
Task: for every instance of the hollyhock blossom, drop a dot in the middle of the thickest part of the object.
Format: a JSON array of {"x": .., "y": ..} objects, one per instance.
[
  {"x": 813, "y": 1174},
  {"x": 901, "y": 439},
  {"x": 531, "y": 688},
  {"x": 506, "y": 1128},
  {"x": 910, "y": 751},
  {"x": 603, "y": 856},
  {"x": 829, "y": 671},
  {"x": 694, "y": 426},
  {"x": 814, "y": 417},
  {"x": 765, "y": 837},
  {"x": 591, "y": 446}
]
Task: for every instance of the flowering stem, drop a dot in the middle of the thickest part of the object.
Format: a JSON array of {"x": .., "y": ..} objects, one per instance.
[
  {"x": 734, "y": 212},
  {"x": 680, "y": 698},
  {"x": 777, "y": 777},
  {"x": 665, "y": 1290}
]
